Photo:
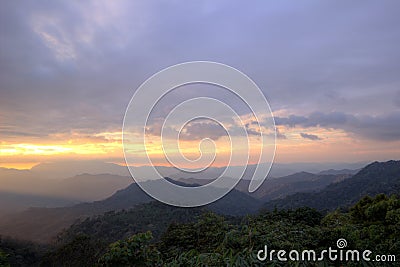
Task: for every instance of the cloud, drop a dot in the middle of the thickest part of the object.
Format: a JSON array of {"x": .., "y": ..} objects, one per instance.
[
  {"x": 280, "y": 135},
  {"x": 384, "y": 127},
  {"x": 315, "y": 119},
  {"x": 255, "y": 130},
  {"x": 290, "y": 121},
  {"x": 73, "y": 67},
  {"x": 396, "y": 99},
  {"x": 201, "y": 130},
  {"x": 195, "y": 130},
  {"x": 312, "y": 137}
]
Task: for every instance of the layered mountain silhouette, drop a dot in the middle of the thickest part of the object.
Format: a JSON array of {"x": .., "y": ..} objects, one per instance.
[
  {"x": 20, "y": 190},
  {"x": 59, "y": 184},
  {"x": 273, "y": 188},
  {"x": 324, "y": 192},
  {"x": 42, "y": 224},
  {"x": 376, "y": 178}
]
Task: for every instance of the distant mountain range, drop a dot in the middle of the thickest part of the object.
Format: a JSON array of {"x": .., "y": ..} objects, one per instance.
[
  {"x": 42, "y": 224},
  {"x": 373, "y": 179},
  {"x": 20, "y": 190},
  {"x": 336, "y": 172},
  {"x": 14, "y": 202},
  {"x": 61, "y": 184},
  {"x": 324, "y": 191},
  {"x": 273, "y": 188},
  {"x": 376, "y": 178}
]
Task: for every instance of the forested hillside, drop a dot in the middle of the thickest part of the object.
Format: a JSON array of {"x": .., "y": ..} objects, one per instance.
[
  {"x": 227, "y": 232},
  {"x": 194, "y": 237},
  {"x": 377, "y": 177}
]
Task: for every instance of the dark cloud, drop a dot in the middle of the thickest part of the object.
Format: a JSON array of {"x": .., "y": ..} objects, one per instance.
[
  {"x": 330, "y": 120},
  {"x": 251, "y": 123},
  {"x": 201, "y": 130},
  {"x": 280, "y": 135},
  {"x": 68, "y": 66},
  {"x": 256, "y": 131},
  {"x": 252, "y": 132},
  {"x": 195, "y": 130},
  {"x": 290, "y": 121},
  {"x": 312, "y": 137},
  {"x": 383, "y": 127},
  {"x": 11, "y": 134}
]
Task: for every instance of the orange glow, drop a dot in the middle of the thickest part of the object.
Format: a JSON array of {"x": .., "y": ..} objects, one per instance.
[
  {"x": 48, "y": 150},
  {"x": 27, "y": 153},
  {"x": 18, "y": 165},
  {"x": 333, "y": 146}
]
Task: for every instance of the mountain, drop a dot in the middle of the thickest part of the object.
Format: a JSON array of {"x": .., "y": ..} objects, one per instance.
[
  {"x": 43, "y": 224},
  {"x": 69, "y": 182},
  {"x": 20, "y": 181},
  {"x": 277, "y": 170},
  {"x": 152, "y": 216},
  {"x": 89, "y": 187},
  {"x": 376, "y": 178},
  {"x": 14, "y": 202},
  {"x": 235, "y": 203},
  {"x": 284, "y": 169},
  {"x": 65, "y": 169},
  {"x": 273, "y": 188},
  {"x": 337, "y": 172},
  {"x": 20, "y": 190},
  {"x": 298, "y": 182}
]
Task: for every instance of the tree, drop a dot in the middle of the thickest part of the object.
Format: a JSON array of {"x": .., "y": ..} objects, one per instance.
[
  {"x": 82, "y": 250},
  {"x": 4, "y": 259},
  {"x": 133, "y": 251}
]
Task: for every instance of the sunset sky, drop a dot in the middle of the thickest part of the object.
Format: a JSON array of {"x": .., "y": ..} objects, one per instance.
[{"x": 329, "y": 69}]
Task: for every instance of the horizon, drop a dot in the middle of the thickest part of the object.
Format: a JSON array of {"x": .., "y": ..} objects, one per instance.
[
  {"x": 199, "y": 133},
  {"x": 138, "y": 166},
  {"x": 101, "y": 167},
  {"x": 71, "y": 101}
]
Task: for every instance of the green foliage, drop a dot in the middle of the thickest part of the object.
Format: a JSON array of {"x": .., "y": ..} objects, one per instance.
[
  {"x": 215, "y": 241},
  {"x": 4, "y": 259},
  {"x": 20, "y": 253},
  {"x": 192, "y": 237},
  {"x": 112, "y": 226},
  {"x": 204, "y": 236},
  {"x": 226, "y": 258},
  {"x": 134, "y": 251},
  {"x": 373, "y": 223},
  {"x": 380, "y": 209},
  {"x": 291, "y": 229},
  {"x": 81, "y": 251}
]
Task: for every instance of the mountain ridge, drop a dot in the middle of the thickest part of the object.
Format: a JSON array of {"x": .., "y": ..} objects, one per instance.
[{"x": 375, "y": 178}]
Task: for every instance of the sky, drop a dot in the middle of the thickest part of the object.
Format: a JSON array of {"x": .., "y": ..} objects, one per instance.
[{"x": 329, "y": 69}]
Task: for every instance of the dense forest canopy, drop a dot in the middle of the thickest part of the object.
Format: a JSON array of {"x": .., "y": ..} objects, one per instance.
[{"x": 201, "y": 238}]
